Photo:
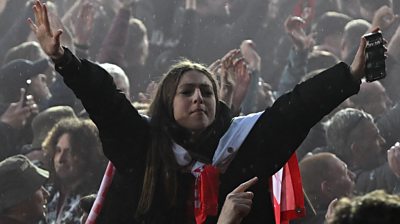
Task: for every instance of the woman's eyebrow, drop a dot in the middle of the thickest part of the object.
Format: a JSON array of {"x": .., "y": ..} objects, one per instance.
[{"x": 191, "y": 85}]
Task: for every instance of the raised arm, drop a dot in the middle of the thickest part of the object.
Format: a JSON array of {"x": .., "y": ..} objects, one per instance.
[
  {"x": 282, "y": 128},
  {"x": 119, "y": 123}
]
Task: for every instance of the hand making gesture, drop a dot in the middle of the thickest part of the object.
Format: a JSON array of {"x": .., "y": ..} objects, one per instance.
[{"x": 49, "y": 40}]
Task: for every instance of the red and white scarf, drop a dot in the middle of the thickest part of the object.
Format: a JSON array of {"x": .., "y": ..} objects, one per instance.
[
  {"x": 286, "y": 183},
  {"x": 287, "y": 192}
]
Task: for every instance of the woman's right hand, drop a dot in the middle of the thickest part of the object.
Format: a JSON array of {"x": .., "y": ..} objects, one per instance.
[{"x": 49, "y": 41}]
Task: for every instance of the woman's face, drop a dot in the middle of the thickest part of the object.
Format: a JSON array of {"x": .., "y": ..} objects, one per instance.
[{"x": 194, "y": 101}]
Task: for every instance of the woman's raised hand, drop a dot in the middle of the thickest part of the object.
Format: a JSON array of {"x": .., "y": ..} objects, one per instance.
[{"x": 48, "y": 40}]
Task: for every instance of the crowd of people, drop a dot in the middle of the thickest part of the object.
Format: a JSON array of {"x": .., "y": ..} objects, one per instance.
[{"x": 198, "y": 105}]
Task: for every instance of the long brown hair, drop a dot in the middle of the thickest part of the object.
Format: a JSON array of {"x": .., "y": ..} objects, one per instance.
[
  {"x": 161, "y": 166},
  {"x": 85, "y": 144}
]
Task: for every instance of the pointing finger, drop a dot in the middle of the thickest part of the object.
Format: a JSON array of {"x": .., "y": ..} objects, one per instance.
[{"x": 246, "y": 185}]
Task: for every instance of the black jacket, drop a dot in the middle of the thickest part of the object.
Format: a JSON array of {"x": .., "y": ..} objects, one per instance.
[{"x": 273, "y": 139}]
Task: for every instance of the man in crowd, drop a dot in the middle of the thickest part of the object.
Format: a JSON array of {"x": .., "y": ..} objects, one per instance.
[{"x": 22, "y": 195}]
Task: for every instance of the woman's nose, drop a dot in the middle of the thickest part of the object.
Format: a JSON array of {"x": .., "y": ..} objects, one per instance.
[{"x": 197, "y": 96}]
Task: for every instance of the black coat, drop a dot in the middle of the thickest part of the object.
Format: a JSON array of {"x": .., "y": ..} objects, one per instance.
[{"x": 273, "y": 139}]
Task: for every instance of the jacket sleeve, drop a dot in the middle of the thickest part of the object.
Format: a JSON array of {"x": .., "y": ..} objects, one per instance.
[
  {"x": 282, "y": 128},
  {"x": 123, "y": 131}
]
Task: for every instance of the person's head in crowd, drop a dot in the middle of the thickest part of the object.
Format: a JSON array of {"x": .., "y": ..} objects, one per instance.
[
  {"x": 119, "y": 76},
  {"x": 351, "y": 37},
  {"x": 73, "y": 151},
  {"x": 14, "y": 76},
  {"x": 41, "y": 126},
  {"x": 274, "y": 8},
  {"x": 22, "y": 195},
  {"x": 137, "y": 44},
  {"x": 329, "y": 30},
  {"x": 376, "y": 207},
  {"x": 369, "y": 7},
  {"x": 355, "y": 139},
  {"x": 86, "y": 204},
  {"x": 335, "y": 181},
  {"x": 29, "y": 50},
  {"x": 319, "y": 59},
  {"x": 372, "y": 98}
]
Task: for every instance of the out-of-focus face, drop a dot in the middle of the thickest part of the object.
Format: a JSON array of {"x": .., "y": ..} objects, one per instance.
[
  {"x": 343, "y": 178},
  {"x": 39, "y": 88},
  {"x": 378, "y": 101},
  {"x": 67, "y": 165},
  {"x": 50, "y": 76},
  {"x": 371, "y": 143},
  {"x": 273, "y": 9},
  {"x": 194, "y": 104},
  {"x": 35, "y": 206}
]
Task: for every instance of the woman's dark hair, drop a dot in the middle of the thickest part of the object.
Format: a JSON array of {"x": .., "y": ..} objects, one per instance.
[
  {"x": 85, "y": 144},
  {"x": 161, "y": 166}
]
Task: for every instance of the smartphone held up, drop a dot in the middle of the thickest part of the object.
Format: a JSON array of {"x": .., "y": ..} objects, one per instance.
[{"x": 375, "y": 67}]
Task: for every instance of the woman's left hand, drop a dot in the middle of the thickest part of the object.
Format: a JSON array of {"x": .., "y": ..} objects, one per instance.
[
  {"x": 357, "y": 67},
  {"x": 237, "y": 203}
]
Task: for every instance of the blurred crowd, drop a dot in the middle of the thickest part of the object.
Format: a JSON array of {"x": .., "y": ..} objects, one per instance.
[{"x": 268, "y": 46}]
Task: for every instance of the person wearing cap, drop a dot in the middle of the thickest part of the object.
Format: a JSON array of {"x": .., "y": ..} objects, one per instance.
[
  {"x": 21, "y": 73},
  {"x": 22, "y": 195}
]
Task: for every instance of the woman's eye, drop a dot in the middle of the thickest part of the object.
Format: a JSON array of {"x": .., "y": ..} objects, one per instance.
[
  {"x": 186, "y": 92},
  {"x": 208, "y": 93}
]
